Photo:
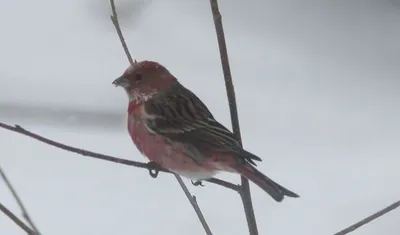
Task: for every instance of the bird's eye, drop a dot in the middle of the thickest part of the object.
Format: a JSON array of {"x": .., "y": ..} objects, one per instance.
[{"x": 138, "y": 77}]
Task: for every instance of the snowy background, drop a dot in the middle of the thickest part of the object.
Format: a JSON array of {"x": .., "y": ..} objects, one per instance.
[{"x": 317, "y": 84}]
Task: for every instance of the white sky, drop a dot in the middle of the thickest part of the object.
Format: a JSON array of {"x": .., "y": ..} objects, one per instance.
[{"x": 317, "y": 88}]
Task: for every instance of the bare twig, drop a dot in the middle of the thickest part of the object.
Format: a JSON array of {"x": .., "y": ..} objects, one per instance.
[
  {"x": 193, "y": 201},
  {"x": 114, "y": 19},
  {"x": 20, "y": 204},
  {"x": 87, "y": 153},
  {"x": 16, "y": 220},
  {"x": 245, "y": 188},
  {"x": 369, "y": 219}
]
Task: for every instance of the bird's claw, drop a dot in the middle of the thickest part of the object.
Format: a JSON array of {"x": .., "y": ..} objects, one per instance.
[
  {"x": 153, "y": 168},
  {"x": 198, "y": 183}
]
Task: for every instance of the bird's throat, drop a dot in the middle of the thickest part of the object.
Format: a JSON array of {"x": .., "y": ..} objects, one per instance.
[{"x": 137, "y": 98}]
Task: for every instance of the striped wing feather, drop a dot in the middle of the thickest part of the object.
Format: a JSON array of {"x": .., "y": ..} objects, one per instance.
[{"x": 179, "y": 115}]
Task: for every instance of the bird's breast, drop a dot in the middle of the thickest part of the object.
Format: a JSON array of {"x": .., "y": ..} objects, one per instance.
[{"x": 147, "y": 143}]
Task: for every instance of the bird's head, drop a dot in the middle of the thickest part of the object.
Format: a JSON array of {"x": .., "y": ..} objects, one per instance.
[{"x": 144, "y": 79}]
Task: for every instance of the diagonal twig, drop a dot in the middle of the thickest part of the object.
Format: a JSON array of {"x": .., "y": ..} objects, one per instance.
[
  {"x": 245, "y": 188},
  {"x": 194, "y": 204},
  {"x": 370, "y": 218},
  {"x": 114, "y": 19},
  {"x": 19, "y": 202},
  {"x": 87, "y": 153},
  {"x": 16, "y": 220}
]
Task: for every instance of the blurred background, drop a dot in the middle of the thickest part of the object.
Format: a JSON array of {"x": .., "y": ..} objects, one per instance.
[{"x": 317, "y": 85}]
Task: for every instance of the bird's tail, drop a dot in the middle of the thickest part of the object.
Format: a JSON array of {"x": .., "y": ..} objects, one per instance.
[{"x": 275, "y": 190}]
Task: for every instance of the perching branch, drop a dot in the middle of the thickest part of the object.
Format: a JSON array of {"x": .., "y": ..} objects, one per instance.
[
  {"x": 34, "y": 230},
  {"x": 369, "y": 219},
  {"x": 245, "y": 188},
  {"x": 87, "y": 153}
]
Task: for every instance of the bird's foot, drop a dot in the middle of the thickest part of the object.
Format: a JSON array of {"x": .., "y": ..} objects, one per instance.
[
  {"x": 153, "y": 168},
  {"x": 198, "y": 183}
]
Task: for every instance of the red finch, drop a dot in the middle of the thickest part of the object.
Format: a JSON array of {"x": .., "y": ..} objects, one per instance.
[{"x": 172, "y": 127}]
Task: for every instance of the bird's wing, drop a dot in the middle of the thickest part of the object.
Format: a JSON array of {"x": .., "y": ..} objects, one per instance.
[{"x": 179, "y": 115}]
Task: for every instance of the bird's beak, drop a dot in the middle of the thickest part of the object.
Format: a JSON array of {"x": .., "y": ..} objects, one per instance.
[{"x": 122, "y": 81}]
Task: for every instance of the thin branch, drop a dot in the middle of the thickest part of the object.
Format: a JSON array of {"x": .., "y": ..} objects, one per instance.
[
  {"x": 193, "y": 201},
  {"x": 20, "y": 204},
  {"x": 87, "y": 153},
  {"x": 369, "y": 219},
  {"x": 16, "y": 220},
  {"x": 245, "y": 188},
  {"x": 114, "y": 19}
]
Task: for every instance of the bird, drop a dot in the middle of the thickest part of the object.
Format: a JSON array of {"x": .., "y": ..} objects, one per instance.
[{"x": 172, "y": 127}]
